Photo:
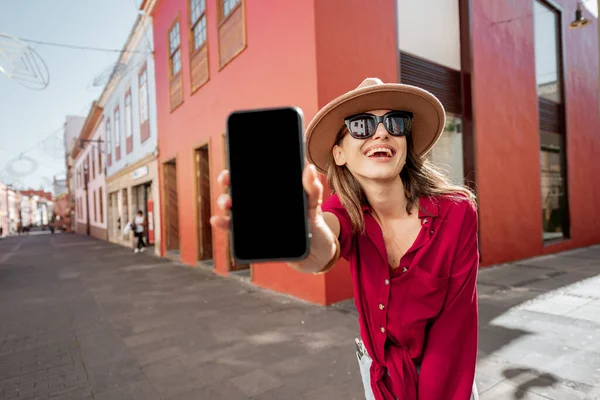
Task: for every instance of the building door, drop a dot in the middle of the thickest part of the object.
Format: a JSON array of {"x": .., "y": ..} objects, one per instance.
[
  {"x": 141, "y": 194},
  {"x": 171, "y": 206},
  {"x": 149, "y": 204},
  {"x": 203, "y": 204}
]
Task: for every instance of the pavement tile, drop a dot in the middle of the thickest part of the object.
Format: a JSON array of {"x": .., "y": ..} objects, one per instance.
[
  {"x": 219, "y": 390},
  {"x": 141, "y": 390},
  {"x": 160, "y": 354},
  {"x": 110, "y": 376},
  {"x": 173, "y": 387},
  {"x": 163, "y": 368},
  {"x": 209, "y": 373},
  {"x": 256, "y": 382}
]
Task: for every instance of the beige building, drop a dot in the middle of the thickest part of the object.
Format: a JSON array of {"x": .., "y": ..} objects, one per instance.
[{"x": 129, "y": 102}]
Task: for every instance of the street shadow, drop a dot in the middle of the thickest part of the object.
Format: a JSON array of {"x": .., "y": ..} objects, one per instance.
[
  {"x": 502, "y": 288},
  {"x": 529, "y": 378}
]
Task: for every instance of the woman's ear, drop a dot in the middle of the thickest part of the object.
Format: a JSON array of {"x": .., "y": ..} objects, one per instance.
[{"x": 338, "y": 155}]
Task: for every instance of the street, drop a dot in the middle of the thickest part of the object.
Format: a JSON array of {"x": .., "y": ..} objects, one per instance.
[{"x": 85, "y": 319}]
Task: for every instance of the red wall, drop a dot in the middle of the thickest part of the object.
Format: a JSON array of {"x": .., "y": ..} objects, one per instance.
[
  {"x": 308, "y": 52},
  {"x": 353, "y": 43},
  {"x": 277, "y": 68},
  {"x": 507, "y": 131}
]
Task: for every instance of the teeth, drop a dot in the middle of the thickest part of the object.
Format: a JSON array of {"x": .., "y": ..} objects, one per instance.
[{"x": 379, "y": 149}]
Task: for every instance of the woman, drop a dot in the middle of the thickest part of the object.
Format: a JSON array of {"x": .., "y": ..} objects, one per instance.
[{"x": 409, "y": 235}]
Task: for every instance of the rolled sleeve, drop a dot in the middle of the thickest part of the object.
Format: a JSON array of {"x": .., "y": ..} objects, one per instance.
[{"x": 334, "y": 206}]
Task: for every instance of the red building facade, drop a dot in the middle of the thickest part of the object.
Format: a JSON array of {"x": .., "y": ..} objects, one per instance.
[{"x": 216, "y": 56}]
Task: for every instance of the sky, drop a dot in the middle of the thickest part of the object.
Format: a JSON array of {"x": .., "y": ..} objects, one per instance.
[{"x": 31, "y": 120}]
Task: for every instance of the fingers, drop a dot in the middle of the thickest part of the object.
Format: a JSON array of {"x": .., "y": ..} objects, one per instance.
[
  {"x": 220, "y": 222},
  {"x": 312, "y": 186},
  {"x": 223, "y": 179}
]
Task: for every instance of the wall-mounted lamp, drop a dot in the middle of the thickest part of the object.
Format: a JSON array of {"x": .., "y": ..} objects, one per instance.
[{"x": 580, "y": 20}]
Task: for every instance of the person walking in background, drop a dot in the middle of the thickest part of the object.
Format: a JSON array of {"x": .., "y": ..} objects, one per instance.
[{"x": 138, "y": 229}]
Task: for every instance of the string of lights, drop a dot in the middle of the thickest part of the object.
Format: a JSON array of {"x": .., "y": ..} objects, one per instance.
[{"x": 75, "y": 47}]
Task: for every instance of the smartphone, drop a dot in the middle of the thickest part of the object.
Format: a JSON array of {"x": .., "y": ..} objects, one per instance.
[{"x": 265, "y": 151}]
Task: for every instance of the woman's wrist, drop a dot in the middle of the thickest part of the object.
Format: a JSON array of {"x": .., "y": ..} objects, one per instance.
[{"x": 334, "y": 259}]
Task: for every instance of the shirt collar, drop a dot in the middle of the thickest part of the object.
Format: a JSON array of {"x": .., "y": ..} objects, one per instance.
[{"x": 429, "y": 207}]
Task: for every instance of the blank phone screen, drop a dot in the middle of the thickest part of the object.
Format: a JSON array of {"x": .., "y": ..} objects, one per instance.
[{"x": 268, "y": 201}]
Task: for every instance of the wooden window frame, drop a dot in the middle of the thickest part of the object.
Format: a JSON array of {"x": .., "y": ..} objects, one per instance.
[
  {"x": 175, "y": 79},
  {"x": 144, "y": 123},
  {"x": 101, "y": 204},
  {"x": 193, "y": 24},
  {"x": 117, "y": 132},
  {"x": 95, "y": 206},
  {"x": 109, "y": 142},
  {"x": 93, "y": 155},
  {"x": 223, "y": 18},
  {"x": 198, "y": 57},
  {"x": 99, "y": 155},
  {"x": 128, "y": 126},
  {"x": 222, "y": 25}
]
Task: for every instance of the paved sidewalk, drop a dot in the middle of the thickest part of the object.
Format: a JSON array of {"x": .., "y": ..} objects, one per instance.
[{"x": 84, "y": 319}]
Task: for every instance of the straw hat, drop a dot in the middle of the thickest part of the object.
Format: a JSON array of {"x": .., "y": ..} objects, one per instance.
[{"x": 372, "y": 94}]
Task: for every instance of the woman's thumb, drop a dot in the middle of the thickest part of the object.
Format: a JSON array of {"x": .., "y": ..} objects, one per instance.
[{"x": 312, "y": 186}]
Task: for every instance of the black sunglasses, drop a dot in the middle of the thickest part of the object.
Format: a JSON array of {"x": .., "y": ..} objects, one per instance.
[{"x": 363, "y": 126}]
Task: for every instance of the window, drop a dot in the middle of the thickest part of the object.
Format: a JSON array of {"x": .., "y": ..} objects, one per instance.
[
  {"x": 548, "y": 71},
  {"x": 117, "y": 118},
  {"x": 117, "y": 128},
  {"x": 198, "y": 50},
  {"x": 198, "y": 23},
  {"x": 144, "y": 104},
  {"x": 144, "y": 95},
  {"x": 101, "y": 204},
  {"x": 176, "y": 81},
  {"x": 228, "y": 6},
  {"x": 174, "y": 49},
  {"x": 109, "y": 143},
  {"x": 128, "y": 123},
  {"x": 93, "y": 163},
  {"x": 232, "y": 30},
  {"x": 448, "y": 151},
  {"x": 100, "y": 158},
  {"x": 95, "y": 206}
]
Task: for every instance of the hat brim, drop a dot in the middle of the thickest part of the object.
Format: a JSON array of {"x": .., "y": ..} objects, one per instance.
[{"x": 428, "y": 122}]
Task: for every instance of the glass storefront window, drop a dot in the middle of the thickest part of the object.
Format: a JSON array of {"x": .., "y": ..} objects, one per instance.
[
  {"x": 554, "y": 207},
  {"x": 448, "y": 151},
  {"x": 548, "y": 68}
]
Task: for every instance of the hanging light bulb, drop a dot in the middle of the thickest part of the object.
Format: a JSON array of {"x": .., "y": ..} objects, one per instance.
[{"x": 580, "y": 20}]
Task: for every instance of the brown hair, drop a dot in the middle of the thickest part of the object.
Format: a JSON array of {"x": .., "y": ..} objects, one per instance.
[{"x": 420, "y": 177}]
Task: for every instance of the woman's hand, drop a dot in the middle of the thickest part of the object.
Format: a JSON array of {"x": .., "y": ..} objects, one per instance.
[{"x": 323, "y": 243}]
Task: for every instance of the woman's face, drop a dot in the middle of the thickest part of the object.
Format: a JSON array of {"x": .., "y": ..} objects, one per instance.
[{"x": 364, "y": 161}]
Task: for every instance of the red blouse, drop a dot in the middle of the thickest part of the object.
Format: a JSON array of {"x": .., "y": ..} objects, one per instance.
[{"x": 425, "y": 311}]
